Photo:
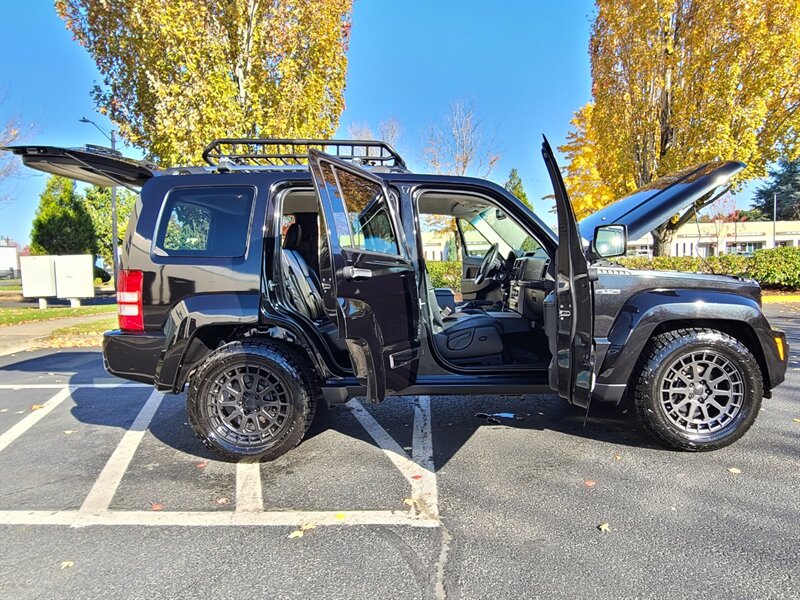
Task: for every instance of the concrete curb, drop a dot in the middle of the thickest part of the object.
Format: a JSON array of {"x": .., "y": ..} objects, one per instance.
[{"x": 778, "y": 299}]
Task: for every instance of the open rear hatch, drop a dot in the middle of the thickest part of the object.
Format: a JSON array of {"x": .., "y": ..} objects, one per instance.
[{"x": 93, "y": 164}]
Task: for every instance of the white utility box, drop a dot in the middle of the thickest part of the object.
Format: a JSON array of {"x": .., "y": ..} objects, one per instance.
[
  {"x": 75, "y": 276},
  {"x": 38, "y": 276}
]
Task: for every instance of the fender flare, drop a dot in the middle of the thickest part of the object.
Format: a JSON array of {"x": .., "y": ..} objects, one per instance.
[
  {"x": 644, "y": 312},
  {"x": 227, "y": 314}
]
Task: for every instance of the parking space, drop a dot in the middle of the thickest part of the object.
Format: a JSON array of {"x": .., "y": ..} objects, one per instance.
[
  {"x": 82, "y": 449},
  {"x": 414, "y": 498}
]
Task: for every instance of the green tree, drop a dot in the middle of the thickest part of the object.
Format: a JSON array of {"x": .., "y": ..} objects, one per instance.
[
  {"x": 687, "y": 81},
  {"x": 785, "y": 183},
  {"x": 97, "y": 203},
  {"x": 514, "y": 185},
  {"x": 62, "y": 224},
  {"x": 178, "y": 74}
]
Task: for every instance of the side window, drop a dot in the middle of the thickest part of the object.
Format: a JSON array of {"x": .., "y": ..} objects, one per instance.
[
  {"x": 205, "y": 221},
  {"x": 476, "y": 245},
  {"x": 367, "y": 225}
]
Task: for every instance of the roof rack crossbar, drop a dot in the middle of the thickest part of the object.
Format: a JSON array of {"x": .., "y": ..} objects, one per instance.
[{"x": 262, "y": 152}]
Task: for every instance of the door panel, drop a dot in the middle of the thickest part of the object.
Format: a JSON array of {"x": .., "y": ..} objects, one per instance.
[
  {"x": 368, "y": 282},
  {"x": 572, "y": 367}
]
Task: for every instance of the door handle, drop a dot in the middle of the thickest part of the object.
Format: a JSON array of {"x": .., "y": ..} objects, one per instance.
[{"x": 356, "y": 273}]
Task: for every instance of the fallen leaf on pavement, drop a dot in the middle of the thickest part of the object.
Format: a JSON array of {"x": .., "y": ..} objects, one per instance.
[
  {"x": 69, "y": 431},
  {"x": 37, "y": 406},
  {"x": 67, "y": 564},
  {"x": 590, "y": 483},
  {"x": 156, "y": 506},
  {"x": 617, "y": 457},
  {"x": 296, "y": 534},
  {"x": 307, "y": 526},
  {"x": 202, "y": 465},
  {"x": 222, "y": 501},
  {"x": 604, "y": 528},
  {"x": 734, "y": 470},
  {"x": 408, "y": 502}
]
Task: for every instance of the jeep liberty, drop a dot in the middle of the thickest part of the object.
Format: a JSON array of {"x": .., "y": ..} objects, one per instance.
[{"x": 285, "y": 273}]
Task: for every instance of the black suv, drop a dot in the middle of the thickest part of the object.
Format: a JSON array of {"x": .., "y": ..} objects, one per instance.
[{"x": 288, "y": 272}]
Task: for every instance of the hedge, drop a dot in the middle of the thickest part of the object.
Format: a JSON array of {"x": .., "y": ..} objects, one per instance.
[
  {"x": 445, "y": 274},
  {"x": 773, "y": 268}
]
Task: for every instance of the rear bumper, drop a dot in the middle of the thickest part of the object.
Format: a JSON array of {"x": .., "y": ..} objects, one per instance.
[{"x": 132, "y": 355}]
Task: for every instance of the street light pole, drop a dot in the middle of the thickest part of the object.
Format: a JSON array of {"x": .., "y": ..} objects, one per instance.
[
  {"x": 114, "y": 228},
  {"x": 114, "y": 238}
]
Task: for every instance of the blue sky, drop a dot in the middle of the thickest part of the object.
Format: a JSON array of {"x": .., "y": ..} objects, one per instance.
[{"x": 523, "y": 66}]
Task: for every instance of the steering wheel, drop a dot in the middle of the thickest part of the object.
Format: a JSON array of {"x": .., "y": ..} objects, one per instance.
[{"x": 489, "y": 259}]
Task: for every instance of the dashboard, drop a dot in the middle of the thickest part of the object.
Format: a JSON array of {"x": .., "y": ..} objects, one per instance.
[{"x": 530, "y": 282}]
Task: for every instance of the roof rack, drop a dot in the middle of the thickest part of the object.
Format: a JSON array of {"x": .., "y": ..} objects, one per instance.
[{"x": 266, "y": 152}]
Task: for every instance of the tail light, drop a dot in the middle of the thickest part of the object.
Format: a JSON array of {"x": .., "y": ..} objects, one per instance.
[{"x": 129, "y": 300}]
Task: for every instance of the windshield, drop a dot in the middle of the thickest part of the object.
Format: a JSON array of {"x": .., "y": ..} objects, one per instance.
[{"x": 496, "y": 227}]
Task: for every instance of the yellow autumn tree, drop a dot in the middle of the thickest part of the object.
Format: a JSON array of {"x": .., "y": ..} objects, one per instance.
[
  {"x": 178, "y": 74},
  {"x": 586, "y": 188},
  {"x": 686, "y": 81}
]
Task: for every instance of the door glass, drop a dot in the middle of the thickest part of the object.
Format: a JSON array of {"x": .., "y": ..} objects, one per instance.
[{"x": 366, "y": 224}]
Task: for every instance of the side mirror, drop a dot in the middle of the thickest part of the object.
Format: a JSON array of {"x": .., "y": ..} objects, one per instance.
[{"x": 610, "y": 241}]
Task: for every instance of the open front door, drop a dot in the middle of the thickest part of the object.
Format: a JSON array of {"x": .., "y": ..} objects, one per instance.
[
  {"x": 570, "y": 314},
  {"x": 367, "y": 280}
]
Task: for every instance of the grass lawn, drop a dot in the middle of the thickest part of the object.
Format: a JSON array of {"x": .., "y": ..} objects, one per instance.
[
  {"x": 13, "y": 316},
  {"x": 83, "y": 335}
]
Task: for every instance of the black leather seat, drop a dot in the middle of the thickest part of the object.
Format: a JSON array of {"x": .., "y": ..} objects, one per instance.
[
  {"x": 302, "y": 285},
  {"x": 465, "y": 337}
]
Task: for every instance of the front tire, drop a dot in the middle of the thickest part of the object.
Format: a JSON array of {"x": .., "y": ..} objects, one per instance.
[
  {"x": 252, "y": 399},
  {"x": 697, "y": 389}
]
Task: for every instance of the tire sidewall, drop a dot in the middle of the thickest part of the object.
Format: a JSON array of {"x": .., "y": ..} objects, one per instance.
[
  {"x": 653, "y": 374},
  {"x": 200, "y": 410}
]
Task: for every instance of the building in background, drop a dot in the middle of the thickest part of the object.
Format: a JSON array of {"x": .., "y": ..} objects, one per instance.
[{"x": 713, "y": 239}]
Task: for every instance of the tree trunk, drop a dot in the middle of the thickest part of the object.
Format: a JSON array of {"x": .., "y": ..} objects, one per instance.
[{"x": 662, "y": 239}]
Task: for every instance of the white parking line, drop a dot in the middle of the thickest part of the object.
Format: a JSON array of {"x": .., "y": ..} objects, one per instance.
[
  {"x": 75, "y": 386},
  {"x": 102, "y": 492},
  {"x": 29, "y": 421},
  {"x": 421, "y": 476},
  {"x": 424, "y": 488},
  {"x": 75, "y": 518},
  {"x": 248, "y": 486}
]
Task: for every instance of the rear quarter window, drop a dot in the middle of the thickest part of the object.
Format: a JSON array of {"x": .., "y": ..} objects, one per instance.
[{"x": 205, "y": 222}]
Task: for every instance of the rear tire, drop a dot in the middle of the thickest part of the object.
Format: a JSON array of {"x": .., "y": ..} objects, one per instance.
[
  {"x": 252, "y": 399},
  {"x": 697, "y": 389}
]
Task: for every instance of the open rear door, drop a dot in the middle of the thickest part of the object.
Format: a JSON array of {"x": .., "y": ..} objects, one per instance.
[
  {"x": 92, "y": 164},
  {"x": 570, "y": 313},
  {"x": 367, "y": 279}
]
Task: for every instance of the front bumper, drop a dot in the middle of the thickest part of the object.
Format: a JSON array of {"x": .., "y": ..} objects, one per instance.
[
  {"x": 132, "y": 355},
  {"x": 777, "y": 361}
]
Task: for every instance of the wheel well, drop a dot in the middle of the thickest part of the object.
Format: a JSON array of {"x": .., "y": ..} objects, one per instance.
[
  {"x": 736, "y": 329},
  {"x": 209, "y": 338}
]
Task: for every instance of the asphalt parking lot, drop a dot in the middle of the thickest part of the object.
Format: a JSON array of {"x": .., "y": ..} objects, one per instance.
[{"x": 104, "y": 492}]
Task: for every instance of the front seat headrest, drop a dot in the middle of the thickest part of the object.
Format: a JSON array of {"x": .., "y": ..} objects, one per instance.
[{"x": 293, "y": 237}]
